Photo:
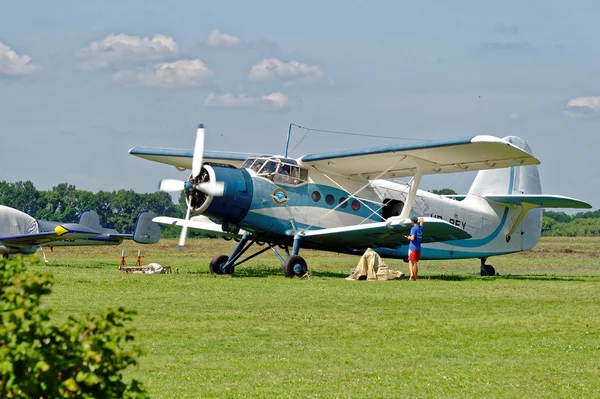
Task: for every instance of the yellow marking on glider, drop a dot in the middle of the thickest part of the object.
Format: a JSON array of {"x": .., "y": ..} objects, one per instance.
[{"x": 59, "y": 230}]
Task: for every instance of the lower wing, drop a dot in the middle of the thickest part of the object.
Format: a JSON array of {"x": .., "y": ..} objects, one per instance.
[{"x": 384, "y": 235}]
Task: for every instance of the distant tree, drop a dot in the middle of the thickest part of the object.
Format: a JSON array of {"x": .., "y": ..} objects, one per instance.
[
  {"x": 444, "y": 191},
  {"x": 20, "y": 195},
  {"x": 547, "y": 224},
  {"x": 558, "y": 216},
  {"x": 82, "y": 358}
]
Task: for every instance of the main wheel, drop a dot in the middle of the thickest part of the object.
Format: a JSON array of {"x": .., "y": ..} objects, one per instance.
[
  {"x": 294, "y": 266},
  {"x": 216, "y": 263},
  {"x": 488, "y": 270}
]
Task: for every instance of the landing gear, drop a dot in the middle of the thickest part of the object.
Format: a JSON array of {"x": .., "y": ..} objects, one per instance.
[
  {"x": 294, "y": 266},
  {"x": 487, "y": 270},
  {"x": 218, "y": 265}
]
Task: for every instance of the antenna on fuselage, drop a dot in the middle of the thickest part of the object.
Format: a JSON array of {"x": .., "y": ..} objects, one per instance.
[{"x": 287, "y": 142}]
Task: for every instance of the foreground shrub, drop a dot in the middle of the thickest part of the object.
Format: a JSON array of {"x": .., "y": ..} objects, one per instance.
[{"x": 82, "y": 358}]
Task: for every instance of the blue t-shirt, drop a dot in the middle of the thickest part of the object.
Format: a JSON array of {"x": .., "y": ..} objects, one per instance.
[{"x": 415, "y": 244}]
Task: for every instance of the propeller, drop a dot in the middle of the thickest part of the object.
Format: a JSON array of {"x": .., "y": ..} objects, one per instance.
[
  {"x": 196, "y": 168},
  {"x": 211, "y": 188},
  {"x": 184, "y": 230},
  {"x": 171, "y": 185}
]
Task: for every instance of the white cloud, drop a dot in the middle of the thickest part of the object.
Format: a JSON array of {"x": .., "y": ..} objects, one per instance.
[
  {"x": 114, "y": 49},
  {"x": 14, "y": 64},
  {"x": 276, "y": 101},
  {"x": 230, "y": 100},
  {"x": 177, "y": 74},
  {"x": 293, "y": 72},
  {"x": 218, "y": 39},
  {"x": 583, "y": 106}
]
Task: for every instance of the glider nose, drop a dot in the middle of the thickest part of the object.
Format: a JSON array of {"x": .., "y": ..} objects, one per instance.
[{"x": 59, "y": 230}]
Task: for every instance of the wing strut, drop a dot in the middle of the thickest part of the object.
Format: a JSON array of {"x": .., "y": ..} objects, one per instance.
[
  {"x": 525, "y": 207},
  {"x": 414, "y": 186}
]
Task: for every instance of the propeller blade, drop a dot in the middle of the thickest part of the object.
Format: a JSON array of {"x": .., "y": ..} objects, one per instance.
[
  {"x": 215, "y": 189},
  {"x": 198, "y": 152},
  {"x": 184, "y": 230},
  {"x": 170, "y": 185}
]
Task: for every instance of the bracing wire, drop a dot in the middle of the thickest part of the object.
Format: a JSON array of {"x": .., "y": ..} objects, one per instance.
[{"x": 309, "y": 129}]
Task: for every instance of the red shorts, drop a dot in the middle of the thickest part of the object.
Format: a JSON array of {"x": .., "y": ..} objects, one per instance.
[{"x": 414, "y": 255}]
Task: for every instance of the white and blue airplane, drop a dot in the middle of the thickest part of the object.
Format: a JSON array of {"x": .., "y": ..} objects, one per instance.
[
  {"x": 348, "y": 201},
  {"x": 23, "y": 234}
]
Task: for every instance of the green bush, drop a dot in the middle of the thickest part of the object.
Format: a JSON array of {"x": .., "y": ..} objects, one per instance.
[{"x": 83, "y": 358}]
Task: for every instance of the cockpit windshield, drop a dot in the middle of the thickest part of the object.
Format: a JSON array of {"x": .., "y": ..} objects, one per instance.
[{"x": 280, "y": 170}]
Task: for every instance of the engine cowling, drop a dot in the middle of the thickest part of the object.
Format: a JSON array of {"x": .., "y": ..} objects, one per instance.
[{"x": 236, "y": 201}]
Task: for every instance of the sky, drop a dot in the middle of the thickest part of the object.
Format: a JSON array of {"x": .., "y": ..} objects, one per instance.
[{"x": 83, "y": 82}]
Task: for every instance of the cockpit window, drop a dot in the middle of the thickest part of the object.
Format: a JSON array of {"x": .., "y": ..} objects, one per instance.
[
  {"x": 248, "y": 163},
  {"x": 268, "y": 168},
  {"x": 281, "y": 171}
]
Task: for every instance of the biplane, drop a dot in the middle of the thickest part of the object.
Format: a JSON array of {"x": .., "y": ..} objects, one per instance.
[{"x": 348, "y": 201}]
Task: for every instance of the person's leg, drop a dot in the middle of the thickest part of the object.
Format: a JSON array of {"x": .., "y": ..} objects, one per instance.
[
  {"x": 410, "y": 264},
  {"x": 416, "y": 267}
]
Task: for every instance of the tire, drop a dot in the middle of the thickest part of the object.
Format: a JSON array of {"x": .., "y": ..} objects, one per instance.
[
  {"x": 294, "y": 266},
  {"x": 489, "y": 270},
  {"x": 216, "y": 262}
]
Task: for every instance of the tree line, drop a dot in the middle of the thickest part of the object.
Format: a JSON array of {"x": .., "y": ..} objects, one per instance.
[{"x": 118, "y": 209}]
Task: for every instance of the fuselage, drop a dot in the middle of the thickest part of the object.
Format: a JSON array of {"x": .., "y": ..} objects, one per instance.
[{"x": 276, "y": 206}]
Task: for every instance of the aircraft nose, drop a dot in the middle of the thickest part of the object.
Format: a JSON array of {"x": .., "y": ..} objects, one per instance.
[{"x": 59, "y": 230}]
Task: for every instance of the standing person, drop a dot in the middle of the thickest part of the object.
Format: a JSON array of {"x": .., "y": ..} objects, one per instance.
[{"x": 414, "y": 248}]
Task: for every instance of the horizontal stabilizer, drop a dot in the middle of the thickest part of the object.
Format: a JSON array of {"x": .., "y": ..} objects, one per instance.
[
  {"x": 380, "y": 235},
  {"x": 541, "y": 200},
  {"x": 199, "y": 223}
]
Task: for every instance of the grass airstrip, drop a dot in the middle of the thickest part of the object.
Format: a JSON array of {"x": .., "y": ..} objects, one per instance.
[{"x": 533, "y": 331}]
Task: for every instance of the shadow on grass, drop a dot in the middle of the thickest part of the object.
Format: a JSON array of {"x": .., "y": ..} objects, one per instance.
[
  {"x": 542, "y": 277},
  {"x": 257, "y": 271},
  {"x": 449, "y": 277},
  {"x": 328, "y": 274},
  {"x": 97, "y": 265}
]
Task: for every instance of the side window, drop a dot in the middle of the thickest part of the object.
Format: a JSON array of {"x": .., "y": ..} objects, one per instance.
[
  {"x": 303, "y": 174},
  {"x": 316, "y": 196}
]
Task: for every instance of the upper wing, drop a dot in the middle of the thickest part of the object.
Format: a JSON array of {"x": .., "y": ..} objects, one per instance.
[
  {"x": 200, "y": 223},
  {"x": 380, "y": 235},
  {"x": 63, "y": 232},
  {"x": 544, "y": 201},
  {"x": 473, "y": 153},
  {"x": 183, "y": 158}
]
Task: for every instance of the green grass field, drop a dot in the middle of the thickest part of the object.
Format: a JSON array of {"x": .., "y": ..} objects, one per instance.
[{"x": 534, "y": 331}]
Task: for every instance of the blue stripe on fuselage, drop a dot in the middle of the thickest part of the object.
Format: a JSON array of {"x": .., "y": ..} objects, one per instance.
[{"x": 477, "y": 242}]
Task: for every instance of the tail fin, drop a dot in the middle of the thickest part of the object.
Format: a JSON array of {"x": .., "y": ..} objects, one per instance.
[
  {"x": 146, "y": 231},
  {"x": 513, "y": 181},
  {"x": 90, "y": 218},
  {"x": 508, "y": 181}
]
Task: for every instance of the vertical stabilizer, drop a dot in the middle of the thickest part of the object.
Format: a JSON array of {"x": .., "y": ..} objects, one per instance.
[{"x": 511, "y": 181}]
